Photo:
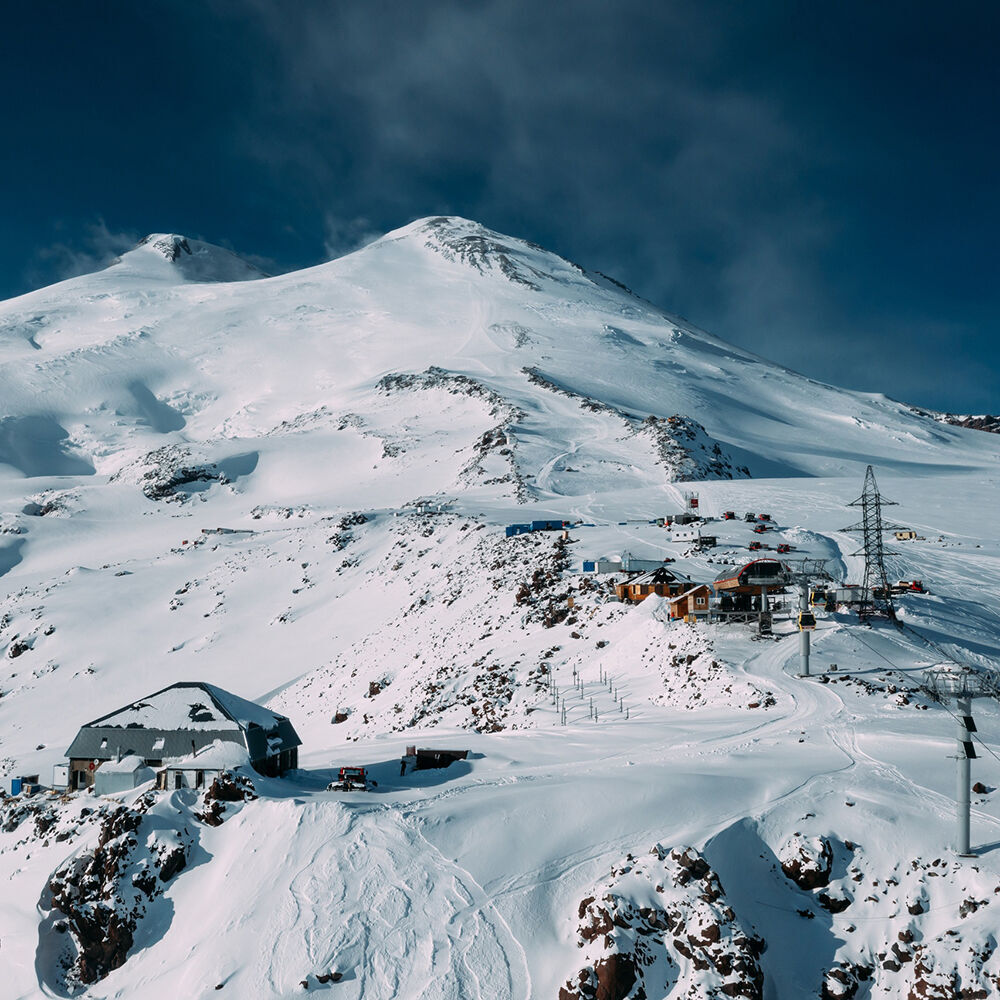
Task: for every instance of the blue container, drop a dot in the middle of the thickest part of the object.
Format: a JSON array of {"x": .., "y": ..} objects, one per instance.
[
  {"x": 589, "y": 566},
  {"x": 516, "y": 529},
  {"x": 15, "y": 786}
]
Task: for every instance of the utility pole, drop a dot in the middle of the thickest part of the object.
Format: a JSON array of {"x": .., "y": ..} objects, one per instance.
[
  {"x": 803, "y": 633},
  {"x": 965, "y": 727},
  {"x": 961, "y": 684}
]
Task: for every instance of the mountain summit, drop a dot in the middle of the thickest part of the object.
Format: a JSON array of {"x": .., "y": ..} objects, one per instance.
[
  {"x": 576, "y": 375},
  {"x": 190, "y": 260}
]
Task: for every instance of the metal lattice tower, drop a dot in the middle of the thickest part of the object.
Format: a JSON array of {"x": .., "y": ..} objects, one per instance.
[{"x": 876, "y": 595}]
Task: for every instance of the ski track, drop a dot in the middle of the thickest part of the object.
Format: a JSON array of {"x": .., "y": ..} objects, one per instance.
[{"x": 375, "y": 900}]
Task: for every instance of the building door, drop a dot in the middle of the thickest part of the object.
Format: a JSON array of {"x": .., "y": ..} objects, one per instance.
[{"x": 178, "y": 780}]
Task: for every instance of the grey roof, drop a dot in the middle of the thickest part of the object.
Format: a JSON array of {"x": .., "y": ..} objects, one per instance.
[
  {"x": 181, "y": 718},
  {"x": 659, "y": 575}
]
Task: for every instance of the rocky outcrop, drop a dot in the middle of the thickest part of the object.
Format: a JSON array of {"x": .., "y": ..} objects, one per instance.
[
  {"x": 661, "y": 925},
  {"x": 980, "y": 422},
  {"x": 497, "y": 442},
  {"x": 683, "y": 448},
  {"x": 485, "y": 251},
  {"x": 687, "y": 452},
  {"x": 228, "y": 787},
  {"x": 807, "y": 861},
  {"x": 98, "y": 898}
]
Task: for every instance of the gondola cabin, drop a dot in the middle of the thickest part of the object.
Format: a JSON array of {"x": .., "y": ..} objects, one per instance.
[
  {"x": 754, "y": 577},
  {"x": 807, "y": 621}
]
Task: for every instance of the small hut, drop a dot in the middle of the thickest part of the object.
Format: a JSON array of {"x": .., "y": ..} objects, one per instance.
[
  {"x": 122, "y": 775},
  {"x": 691, "y": 602},
  {"x": 200, "y": 769}
]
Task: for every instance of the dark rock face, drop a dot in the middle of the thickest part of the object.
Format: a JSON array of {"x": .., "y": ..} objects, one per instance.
[
  {"x": 227, "y": 787},
  {"x": 983, "y": 422},
  {"x": 987, "y": 422},
  {"x": 103, "y": 894},
  {"x": 691, "y": 931},
  {"x": 807, "y": 861}
]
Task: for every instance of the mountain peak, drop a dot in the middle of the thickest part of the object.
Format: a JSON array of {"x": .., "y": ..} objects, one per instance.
[
  {"x": 171, "y": 255},
  {"x": 467, "y": 242}
]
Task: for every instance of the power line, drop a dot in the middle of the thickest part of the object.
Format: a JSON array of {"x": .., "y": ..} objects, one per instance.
[{"x": 933, "y": 695}]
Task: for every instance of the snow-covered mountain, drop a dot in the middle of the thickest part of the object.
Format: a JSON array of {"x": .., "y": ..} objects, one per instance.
[{"x": 295, "y": 488}]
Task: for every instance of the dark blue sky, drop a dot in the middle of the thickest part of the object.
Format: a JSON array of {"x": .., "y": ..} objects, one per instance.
[{"x": 815, "y": 182}]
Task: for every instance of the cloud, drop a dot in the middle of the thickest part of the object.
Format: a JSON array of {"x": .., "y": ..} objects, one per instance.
[
  {"x": 93, "y": 249},
  {"x": 343, "y": 236},
  {"x": 543, "y": 121}
]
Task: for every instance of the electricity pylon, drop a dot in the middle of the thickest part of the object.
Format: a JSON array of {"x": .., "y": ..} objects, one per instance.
[{"x": 876, "y": 594}]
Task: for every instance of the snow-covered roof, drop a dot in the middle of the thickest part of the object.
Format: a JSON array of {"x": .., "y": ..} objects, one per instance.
[
  {"x": 688, "y": 593},
  {"x": 220, "y": 754},
  {"x": 659, "y": 575},
  {"x": 191, "y": 705},
  {"x": 127, "y": 765}
]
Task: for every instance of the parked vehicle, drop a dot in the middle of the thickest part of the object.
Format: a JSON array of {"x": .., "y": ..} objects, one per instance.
[{"x": 350, "y": 779}]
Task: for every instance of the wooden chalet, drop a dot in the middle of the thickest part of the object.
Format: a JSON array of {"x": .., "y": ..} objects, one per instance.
[
  {"x": 691, "y": 602},
  {"x": 662, "y": 581}
]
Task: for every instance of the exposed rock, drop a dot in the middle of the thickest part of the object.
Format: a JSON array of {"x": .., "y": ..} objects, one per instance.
[
  {"x": 664, "y": 911},
  {"x": 227, "y": 787},
  {"x": 102, "y": 894},
  {"x": 807, "y": 861}
]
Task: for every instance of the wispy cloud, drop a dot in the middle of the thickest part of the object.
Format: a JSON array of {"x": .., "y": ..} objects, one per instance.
[
  {"x": 343, "y": 236},
  {"x": 93, "y": 248}
]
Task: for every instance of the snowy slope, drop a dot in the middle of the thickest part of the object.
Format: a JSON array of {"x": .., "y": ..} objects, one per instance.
[{"x": 178, "y": 392}]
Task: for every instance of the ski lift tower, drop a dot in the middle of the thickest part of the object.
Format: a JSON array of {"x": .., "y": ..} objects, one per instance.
[
  {"x": 952, "y": 682},
  {"x": 876, "y": 595},
  {"x": 804, "y": 572},
  {"x": 764, "y": 581}
]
